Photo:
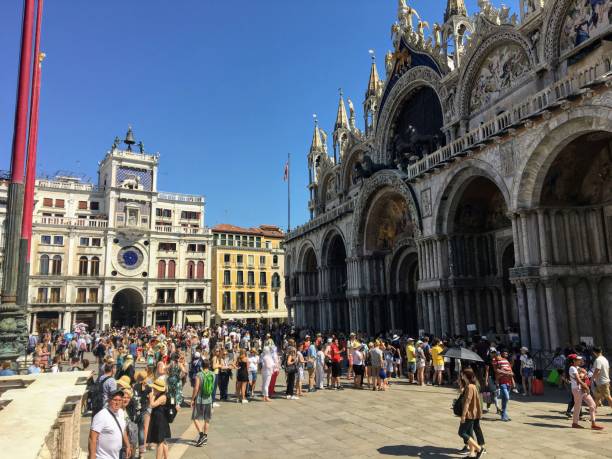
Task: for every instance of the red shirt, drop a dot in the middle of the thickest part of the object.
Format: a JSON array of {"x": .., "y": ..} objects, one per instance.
[
  {"x": 335, "y": 353},
  {"x": 502, "y": 364}
]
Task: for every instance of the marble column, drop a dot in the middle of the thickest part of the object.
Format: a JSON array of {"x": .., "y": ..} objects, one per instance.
[
  {"x": 444, "y": 315},
  {"x": 522, "y": 313},
  {"x": 553, "y": 331},
  {"x": 506, "y": 320},
  {"x": 467, "y": 308},
  {"x": 430, "y": 312},
  {"x": 568, "y": 238},
  {"x": 479, "y": 313},
  {"x": 572, "y": 315},
  {"x": 33, "y": 324},
  {"x": 554, "y": 236},
  {"x": 534, "y": 320},
  {"x": 457, "y": 329},
  {"x": 516, "y": 236},
  {"x": 497, "y": 312},
  {"x": 544, "y": 253},
  {"x": 598, "y": 320},
  {"x": 525, "y": 238}
]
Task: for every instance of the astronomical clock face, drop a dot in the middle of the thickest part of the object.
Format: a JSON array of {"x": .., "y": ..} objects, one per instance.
[{"x": 130, "y": 257}]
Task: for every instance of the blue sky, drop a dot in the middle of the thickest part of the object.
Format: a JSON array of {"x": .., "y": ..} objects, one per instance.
[{"x": 223, "y": 90}]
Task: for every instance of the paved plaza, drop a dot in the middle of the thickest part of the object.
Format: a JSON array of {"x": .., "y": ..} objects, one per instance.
[{"x": 406, "y": 421}]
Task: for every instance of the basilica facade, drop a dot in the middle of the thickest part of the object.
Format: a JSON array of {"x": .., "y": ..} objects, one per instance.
[{"x": 477, "y": 198}]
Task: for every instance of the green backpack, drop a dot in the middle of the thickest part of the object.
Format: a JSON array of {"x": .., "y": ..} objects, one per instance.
[{"x": 207, "y": 380}]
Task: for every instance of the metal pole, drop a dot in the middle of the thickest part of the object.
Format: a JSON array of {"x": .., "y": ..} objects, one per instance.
[
  {"x": 288, "y": 192},
  {"x": 13, "y": 333},
  {"x": 28, "y": 200}
]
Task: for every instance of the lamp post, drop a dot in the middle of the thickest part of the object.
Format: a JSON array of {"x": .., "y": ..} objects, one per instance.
[{"x": 13, "y": 328}]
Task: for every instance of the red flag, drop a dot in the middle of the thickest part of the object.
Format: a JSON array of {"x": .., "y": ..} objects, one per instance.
[{"x": 286, "y": 174}]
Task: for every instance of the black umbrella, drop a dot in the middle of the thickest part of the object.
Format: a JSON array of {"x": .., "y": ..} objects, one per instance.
[{"x": 461, "y": 353}]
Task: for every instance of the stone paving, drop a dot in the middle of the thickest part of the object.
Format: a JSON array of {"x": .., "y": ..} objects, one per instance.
[{"x": 407, "y": 421}]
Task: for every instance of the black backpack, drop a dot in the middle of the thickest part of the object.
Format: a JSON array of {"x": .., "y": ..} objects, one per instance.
[
  {"x": 96, "y": 395},
  {"x": 458, "y": 404}
]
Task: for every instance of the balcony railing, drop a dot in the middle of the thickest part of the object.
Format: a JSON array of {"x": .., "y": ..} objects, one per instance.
[
  {"x": 66, "y": 221},
  {"x": 180, "y": 197},
  {"x": 550, "y": 97},
  {"x": 180, "y": 229},
  {"x": 64, "y": 185}
]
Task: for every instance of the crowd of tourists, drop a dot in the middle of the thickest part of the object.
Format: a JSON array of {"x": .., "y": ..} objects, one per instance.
[{"x": 141, "y": 374}]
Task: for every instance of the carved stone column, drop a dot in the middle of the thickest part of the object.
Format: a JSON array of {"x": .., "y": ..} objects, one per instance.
[
  {"x": 479, "y": 313},
  {"x": 468, "y": 308},
  {"x": 550, "y": 285},
  {"x": 430, "y": 312},
  {"x": 522, "y": 313},
  {"x": 498, "y": 314},
  {"x": 505, "y": 311}
]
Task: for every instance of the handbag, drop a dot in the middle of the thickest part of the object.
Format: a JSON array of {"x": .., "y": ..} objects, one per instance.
[{"x": 458, "y": 405}]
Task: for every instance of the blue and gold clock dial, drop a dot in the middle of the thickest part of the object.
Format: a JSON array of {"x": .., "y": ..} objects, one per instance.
[{"x": 130, "y": 257}]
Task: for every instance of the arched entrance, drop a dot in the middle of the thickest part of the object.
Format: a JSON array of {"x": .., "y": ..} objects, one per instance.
[
  {"x": 575, "y": 201},
  {"x": 404, "y": 280},
  {"x": 337, "y": 282},
  {"x": 478, "y": 228},
  {"x": 388, "y": 228},
  {"x": 309, "y": 290},
  {"x": 127, "y": 308}
]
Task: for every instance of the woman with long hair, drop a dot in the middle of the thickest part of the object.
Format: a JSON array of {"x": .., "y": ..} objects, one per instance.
[
  {"x": 471, "y": 414},
  {"x": 242, "y": 376},
  {"x": 290, "y": 371},
  {"x": 215, "y": 364}
]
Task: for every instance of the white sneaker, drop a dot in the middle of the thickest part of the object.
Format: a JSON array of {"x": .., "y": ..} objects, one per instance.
[
  {"x": 294, "y": 398},
  {"x": 289, "y": 397},
  {"x": 245, "y": 400},
  {"x": 216, "y": 405}
]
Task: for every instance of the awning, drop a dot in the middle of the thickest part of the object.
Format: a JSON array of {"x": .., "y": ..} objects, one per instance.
[{"x": 194, "y": 318}]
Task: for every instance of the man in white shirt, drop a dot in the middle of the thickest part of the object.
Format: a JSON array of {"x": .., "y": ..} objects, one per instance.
[
  {"x": 601, "y": 376},
  {"x": 108, "y": 434}
]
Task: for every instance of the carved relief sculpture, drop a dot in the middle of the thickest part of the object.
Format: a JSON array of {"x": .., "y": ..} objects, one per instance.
[{"x": 500, "y": 71}]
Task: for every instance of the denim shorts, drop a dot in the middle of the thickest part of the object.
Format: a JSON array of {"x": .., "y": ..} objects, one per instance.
[
  {"x": 252, "y": 376},
  {"x": 411, "y": 367}
]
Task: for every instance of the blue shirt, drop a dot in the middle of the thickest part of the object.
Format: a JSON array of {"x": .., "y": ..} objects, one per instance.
[
  {"x": 7, "y": 372},
  {"x": 33, "y": 370}
]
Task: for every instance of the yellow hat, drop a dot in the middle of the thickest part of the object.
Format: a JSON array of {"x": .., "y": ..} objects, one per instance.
[
  {"x": 159, "y": 384},
  {"x": 124, "y": 382}
]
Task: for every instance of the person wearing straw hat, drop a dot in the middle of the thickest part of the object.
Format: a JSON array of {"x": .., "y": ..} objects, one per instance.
[{"x": 159, "y": 428}]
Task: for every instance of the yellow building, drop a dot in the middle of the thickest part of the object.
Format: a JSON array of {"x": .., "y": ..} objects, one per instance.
[{"x": 248, "y": 274}]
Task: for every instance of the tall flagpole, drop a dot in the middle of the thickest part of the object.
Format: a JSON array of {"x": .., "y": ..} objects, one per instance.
[
  {"x": 28, "y": 199},
  {"x": 288, "y": 192},
  {"x": 13, "y": 334}
]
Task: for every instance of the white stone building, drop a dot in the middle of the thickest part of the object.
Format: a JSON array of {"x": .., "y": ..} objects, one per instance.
[{"x": 119, "y": 252}]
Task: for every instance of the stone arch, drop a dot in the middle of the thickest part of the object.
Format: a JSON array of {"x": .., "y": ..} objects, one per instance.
[
  {"x": 414, "y": 79},
  {"x": 329, "y": 234},
  {"x": 347, "y": 165},
  {"x": 554, "y": 16},
  {"x": 452, "y": 190},
  {"x": 128, "y": 307},
  {"x": 303, "y": 252},
  {"x": 392, "y": 182},
  {"x": 549, "y": 143},
  {"x": 476, "y": 58}
]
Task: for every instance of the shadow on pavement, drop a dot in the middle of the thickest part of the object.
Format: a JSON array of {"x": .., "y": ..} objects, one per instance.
[
  {"x": 550, "y": 426},
  {"x": 418, "y": 451}
]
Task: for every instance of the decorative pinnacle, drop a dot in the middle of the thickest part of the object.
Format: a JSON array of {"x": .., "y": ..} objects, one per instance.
[
  {"x": 340, "y": 92},
  {"x": 372, "y": 54},
  {"x": 41, "y": 57}
]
